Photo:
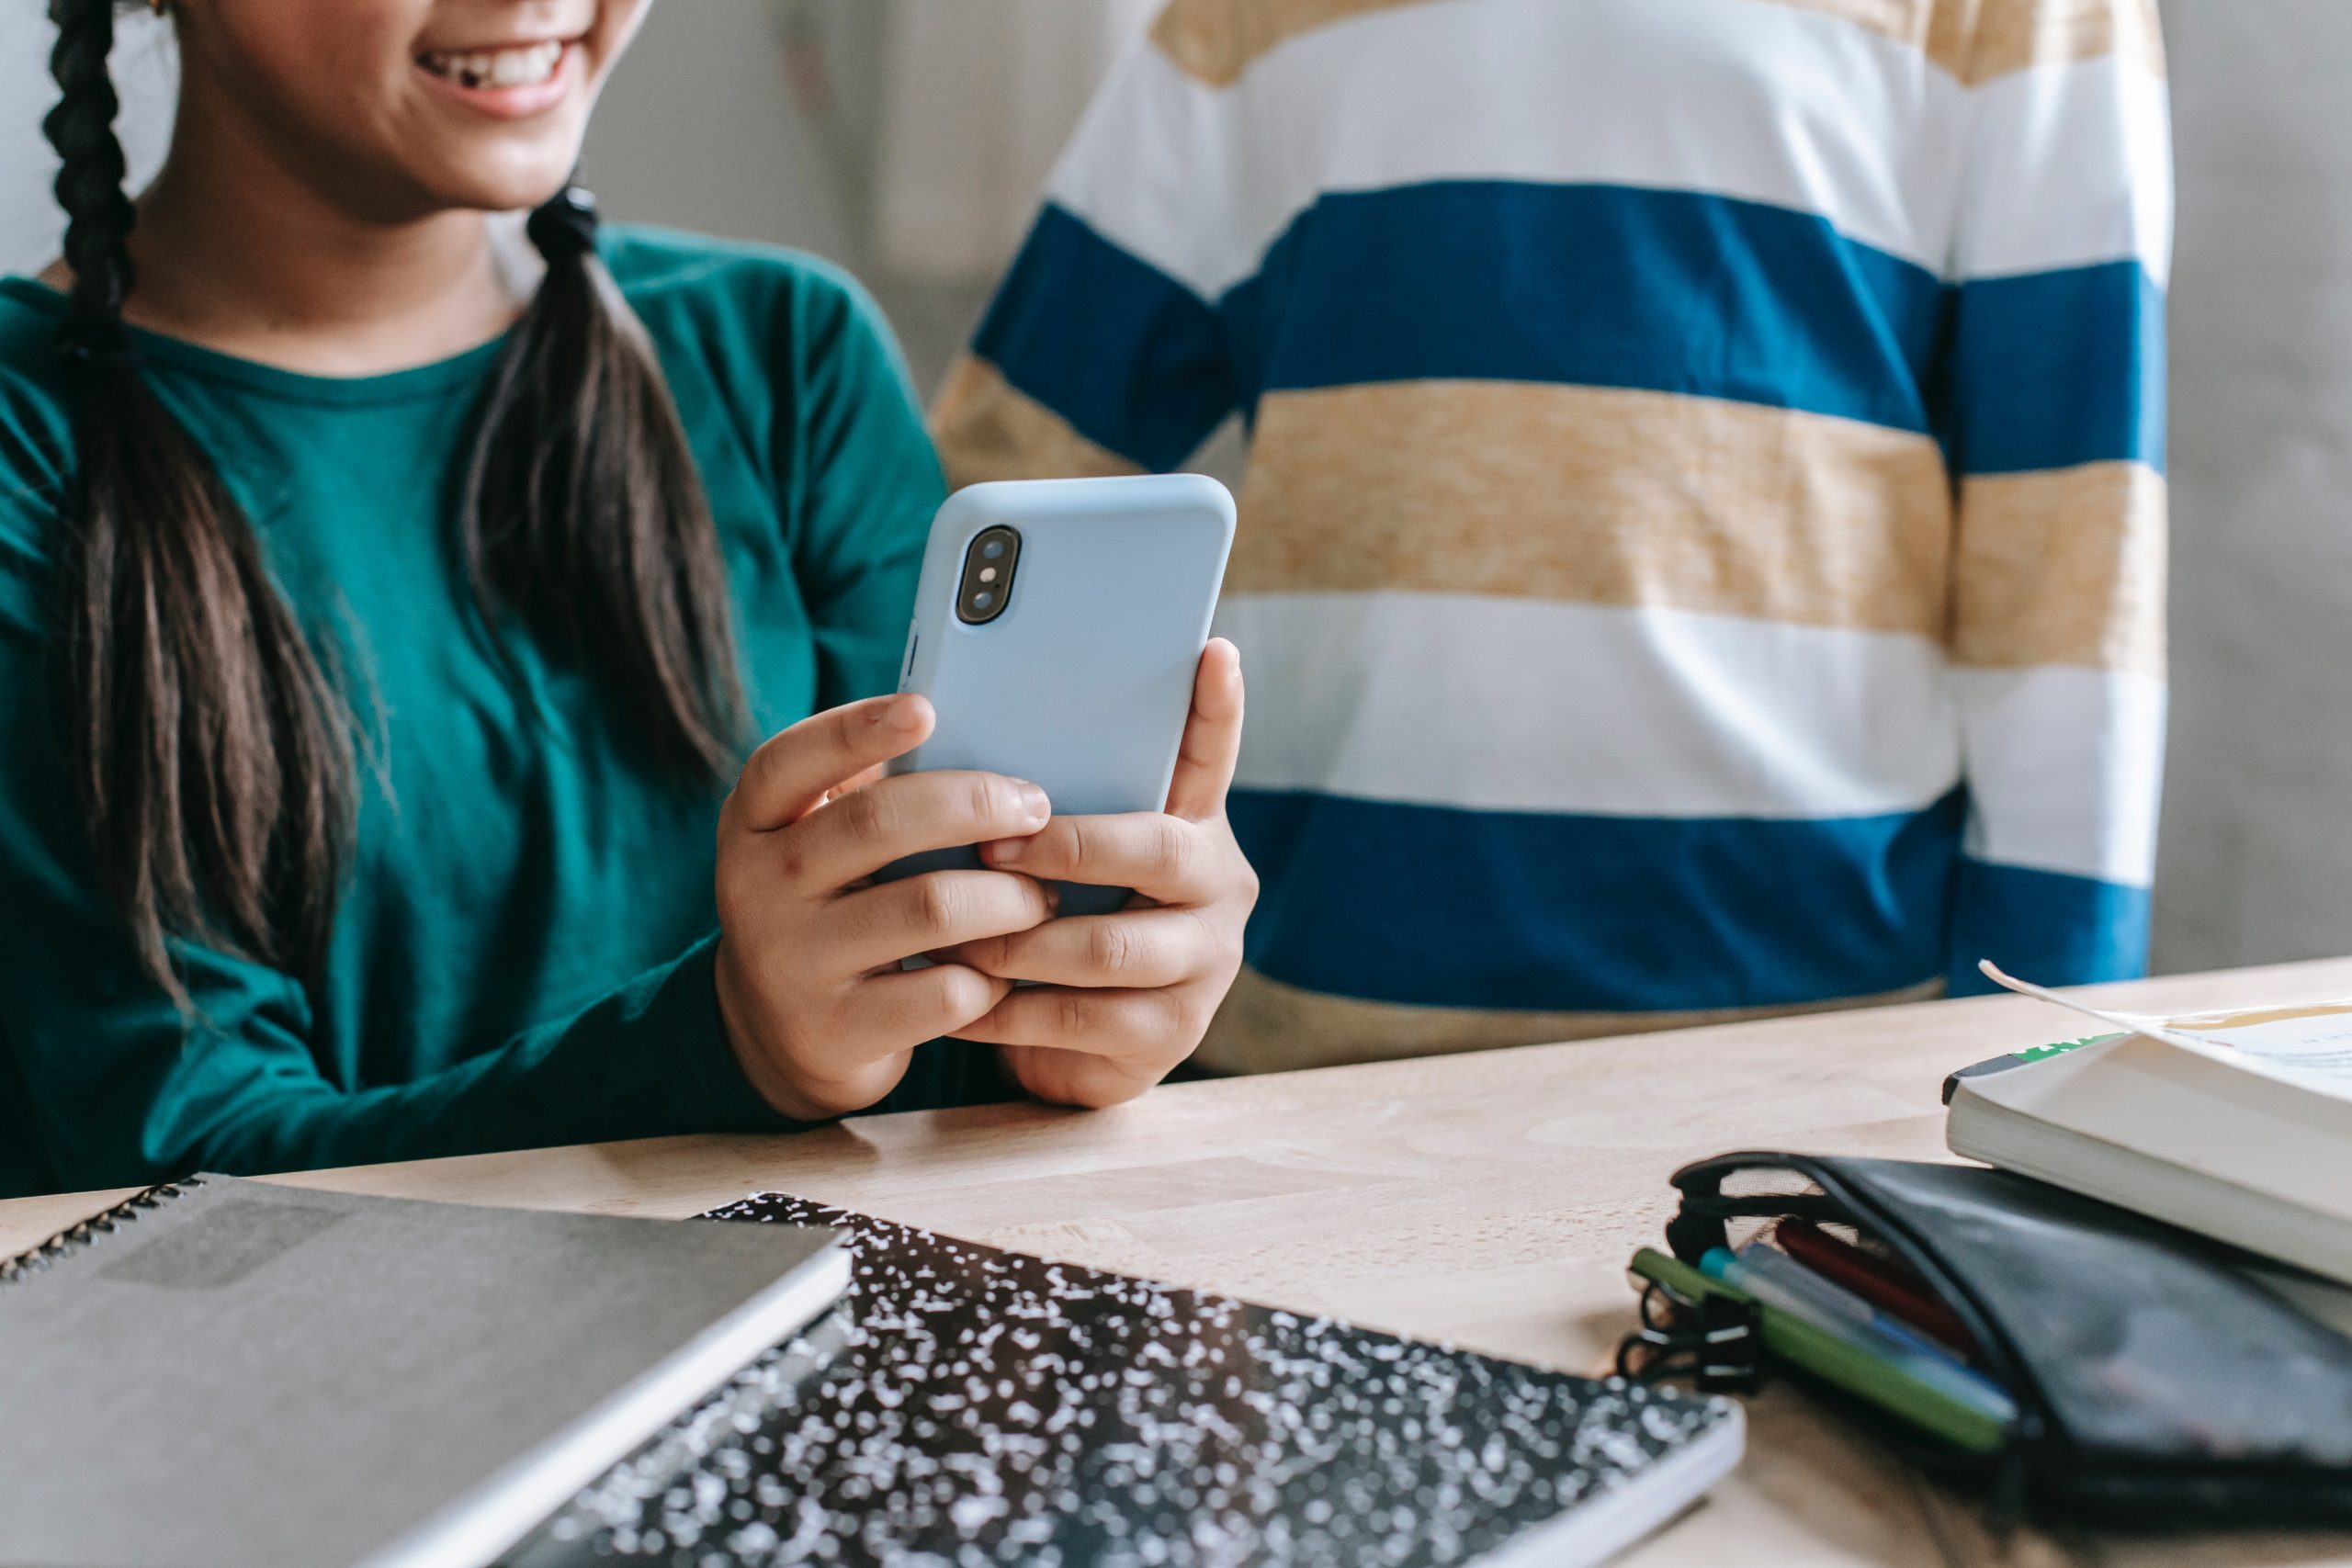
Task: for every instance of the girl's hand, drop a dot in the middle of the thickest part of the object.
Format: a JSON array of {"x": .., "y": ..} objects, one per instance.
[
  {"x": 1126, "y": 997},
  {"x": 818, "y": 1013}
]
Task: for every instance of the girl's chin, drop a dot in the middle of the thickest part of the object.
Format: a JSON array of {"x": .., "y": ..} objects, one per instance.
[{"x": 472, "y": 182}]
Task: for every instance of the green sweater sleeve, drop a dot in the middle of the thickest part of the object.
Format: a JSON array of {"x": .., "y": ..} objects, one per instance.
[
  {"x": 119, "y": 1088},
  {"x": 865, "y": 482}
]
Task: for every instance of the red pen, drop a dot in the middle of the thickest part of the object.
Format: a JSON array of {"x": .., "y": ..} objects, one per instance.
[{"x": 1881, "y": 1281}]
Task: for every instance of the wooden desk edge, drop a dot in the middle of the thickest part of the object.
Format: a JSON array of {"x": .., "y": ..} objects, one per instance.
[{"x": 631, "y": 1172}]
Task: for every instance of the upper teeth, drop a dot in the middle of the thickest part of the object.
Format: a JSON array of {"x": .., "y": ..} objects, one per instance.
[{"x": 499, "y": 67}]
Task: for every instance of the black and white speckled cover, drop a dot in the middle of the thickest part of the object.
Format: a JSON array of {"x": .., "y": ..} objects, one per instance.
[{"x": 976, "y": 1406}]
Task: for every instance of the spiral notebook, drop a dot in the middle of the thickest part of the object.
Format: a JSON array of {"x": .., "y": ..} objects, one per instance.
[
  {"x": 229, "y": 1374},
  {"x": 971, "y": 1406}
]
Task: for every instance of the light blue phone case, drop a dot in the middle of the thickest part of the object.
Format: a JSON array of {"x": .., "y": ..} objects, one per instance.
[{"x": 1082, "y": 682}]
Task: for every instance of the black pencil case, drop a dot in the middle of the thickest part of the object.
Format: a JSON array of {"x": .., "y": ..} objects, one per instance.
[{"x": 2157, "y": 1385}]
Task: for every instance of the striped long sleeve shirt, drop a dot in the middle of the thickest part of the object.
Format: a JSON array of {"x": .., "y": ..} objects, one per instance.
[{"x": 1703, "y": 539}]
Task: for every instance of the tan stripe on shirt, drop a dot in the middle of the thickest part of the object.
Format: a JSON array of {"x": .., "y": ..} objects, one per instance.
[
  {"x": 1217, "y": 40},
  {"x": 988, "y": 429},
  {"x": 1976, "y": 40},
  {"x": 1596, "y": 495},
  {"x": 2062, "y": 567},
  {"x": 1603, "y": 496}
]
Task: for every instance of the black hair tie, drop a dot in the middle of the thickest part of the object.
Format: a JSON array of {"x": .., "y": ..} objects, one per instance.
[
  {"x": 564, "y": 225},
  {"x": 96, "y": 345}
]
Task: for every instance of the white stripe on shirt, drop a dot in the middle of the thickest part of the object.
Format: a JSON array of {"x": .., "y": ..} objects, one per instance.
[
  {"x": 1877, "y": 147},
  {"x": 2065, "y": 768},
  {"x": 2072, "y": 165},
  {"x": 1516, "y": 704}
]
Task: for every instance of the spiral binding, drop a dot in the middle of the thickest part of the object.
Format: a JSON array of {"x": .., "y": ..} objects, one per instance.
[{"x": 24, "y": 1264}]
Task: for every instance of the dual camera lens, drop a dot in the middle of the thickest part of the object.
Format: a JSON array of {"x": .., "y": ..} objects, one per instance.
[{"x": 989, "y": 566}]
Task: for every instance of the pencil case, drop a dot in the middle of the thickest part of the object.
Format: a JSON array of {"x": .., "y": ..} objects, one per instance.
[{"x": 2149, "y": 1383}]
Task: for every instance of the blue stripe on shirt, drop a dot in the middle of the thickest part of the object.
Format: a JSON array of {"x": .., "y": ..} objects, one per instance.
[
  {"x": 1129, "y": 357},
  {"x": 1587, "y": 284},
  {"x": 2055, "y": 369},
  {"x": 1601, "y": 286},
  {"x": 1436, "y": 906},
  {"x": 2045, "y": 926}
]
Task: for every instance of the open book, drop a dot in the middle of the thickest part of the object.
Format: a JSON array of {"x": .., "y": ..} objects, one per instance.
[{"x": 2237, "y": 1125}]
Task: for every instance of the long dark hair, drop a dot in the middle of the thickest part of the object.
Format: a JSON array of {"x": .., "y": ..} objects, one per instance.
[{"x": 213, "y": 754}]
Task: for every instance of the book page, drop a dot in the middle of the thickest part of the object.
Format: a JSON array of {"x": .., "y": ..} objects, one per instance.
[{"x": 2310, "y": 1046}]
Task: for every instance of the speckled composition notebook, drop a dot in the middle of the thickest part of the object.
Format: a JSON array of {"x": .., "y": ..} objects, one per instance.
[
  {"x": 973, "y": 1406},
  {"x": 229, "y": 1374}
]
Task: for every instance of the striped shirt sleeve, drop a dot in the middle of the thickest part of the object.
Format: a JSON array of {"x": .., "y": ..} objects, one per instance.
[{"x": 2054, "y": 424}]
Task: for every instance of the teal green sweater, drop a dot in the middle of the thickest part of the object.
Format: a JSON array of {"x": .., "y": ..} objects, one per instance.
[{"x": 523, "y": 953}]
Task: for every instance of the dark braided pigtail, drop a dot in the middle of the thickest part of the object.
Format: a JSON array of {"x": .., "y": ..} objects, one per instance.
[
  {"x": 582, "y": 510},
  {"x": 211, "y": 756}
]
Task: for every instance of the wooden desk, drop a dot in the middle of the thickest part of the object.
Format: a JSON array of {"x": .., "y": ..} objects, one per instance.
[{"x": 1491, "y": 1199}]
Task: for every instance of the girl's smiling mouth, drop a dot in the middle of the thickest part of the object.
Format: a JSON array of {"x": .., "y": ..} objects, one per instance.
[{"x": 507, "y": 80}]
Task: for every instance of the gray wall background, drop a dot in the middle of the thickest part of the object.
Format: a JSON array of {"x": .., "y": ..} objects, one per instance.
[
  {"x": 2256, "y": 856},
  {"x": 700, "y": 130}
]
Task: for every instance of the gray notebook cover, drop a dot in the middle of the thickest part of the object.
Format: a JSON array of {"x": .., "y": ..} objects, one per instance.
[{"x": 265, "y": 1377}]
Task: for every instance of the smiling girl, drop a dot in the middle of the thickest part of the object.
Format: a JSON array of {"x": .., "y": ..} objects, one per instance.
[{"x": 387, "y": 616}]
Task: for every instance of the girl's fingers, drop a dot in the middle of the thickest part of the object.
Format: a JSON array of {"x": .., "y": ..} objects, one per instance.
[
  {"x": 1167, "y": 859},
  {"x": 788, "y": 776},
  {"x": 1131, "y": 1027},
  {"x": 938, "y": 911},
  {"x": 1067, "y": 1077},
  {"x": 874, "y": 774},
  {"x": 1211, "y": 736},
  {"x": 1140, "y": 948},
  {"x": 925, "y": 1004},
  {"x": 869, "y": 828}
]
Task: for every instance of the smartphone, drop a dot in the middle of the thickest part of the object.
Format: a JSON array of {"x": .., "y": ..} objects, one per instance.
[{"x": 1058, "y": 628}]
